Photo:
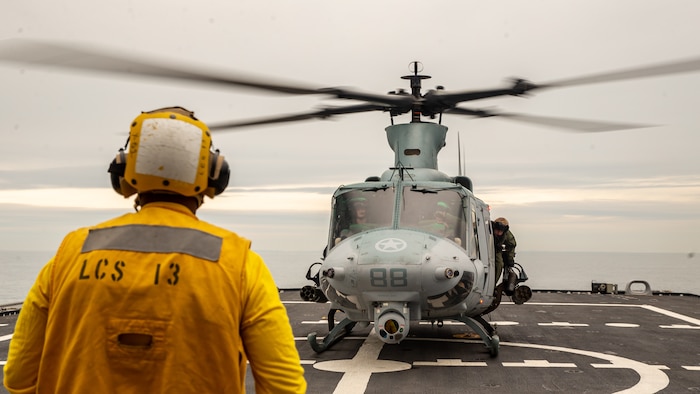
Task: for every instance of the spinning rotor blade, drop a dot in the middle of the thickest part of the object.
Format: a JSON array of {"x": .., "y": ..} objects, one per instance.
[
  {"x": 444, "y": 100},
  {"x": 563, "y": 123},
  {"x": 401, "y": 104},
  {"x": 432, "y": 103},
  {"x": 574, "y": 124},
  {"x": 55, "y": 55},
  {"x": 683, "y": 66},
  {"x": 320, "y": 114},
  {"x": 440, "y": 98}
]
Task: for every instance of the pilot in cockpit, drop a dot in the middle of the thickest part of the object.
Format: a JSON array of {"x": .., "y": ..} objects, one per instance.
[
  {"x": 358, "y": 218},
  {"x": 443, "y": 223}
]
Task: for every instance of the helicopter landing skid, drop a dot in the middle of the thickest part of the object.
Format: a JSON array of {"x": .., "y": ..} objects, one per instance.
[
  {"x": 336, "y": 334},
  {"x": 486, "y": 332}
]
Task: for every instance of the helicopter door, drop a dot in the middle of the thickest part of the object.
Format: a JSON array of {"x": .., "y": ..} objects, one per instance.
[
  {"x": 474, "y": 245},
  {"x": 484, "y": 240}
]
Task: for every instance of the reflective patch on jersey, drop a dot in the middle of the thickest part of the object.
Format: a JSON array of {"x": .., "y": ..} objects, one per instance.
[{"x": 155, "y": 239}]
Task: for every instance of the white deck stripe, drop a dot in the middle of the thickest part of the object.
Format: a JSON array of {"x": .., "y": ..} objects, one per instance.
[
  {"x": 674, "y": 315},
  {"x": 450, "y": 362},
  {"x": 358, "y": 370},
  {"x": 539, "y": 364}
]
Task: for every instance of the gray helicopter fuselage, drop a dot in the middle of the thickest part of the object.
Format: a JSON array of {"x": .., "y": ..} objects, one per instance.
[
  {"x": 423, "y": 252},
  {"x": 413, "y": 244}
]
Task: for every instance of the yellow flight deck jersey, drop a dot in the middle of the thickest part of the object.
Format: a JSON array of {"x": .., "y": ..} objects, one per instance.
[{"x": 153, "y": 302}]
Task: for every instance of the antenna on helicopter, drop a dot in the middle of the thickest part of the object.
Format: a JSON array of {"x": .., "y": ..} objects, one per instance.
[
  {"x": 400, "y": 167},
  {"x": 462, "y": 165},
  {"x": 402, "y": 171}
]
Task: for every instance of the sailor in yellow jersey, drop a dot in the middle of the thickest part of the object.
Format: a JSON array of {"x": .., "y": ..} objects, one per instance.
[{"x": 156, "y": 301}]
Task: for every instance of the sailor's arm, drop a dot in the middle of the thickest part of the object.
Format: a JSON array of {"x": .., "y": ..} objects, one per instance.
[{"x": 267, "y": 335}]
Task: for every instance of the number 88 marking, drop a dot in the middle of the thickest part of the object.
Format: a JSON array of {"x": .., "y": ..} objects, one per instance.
[{"x": 397, "y": 277}]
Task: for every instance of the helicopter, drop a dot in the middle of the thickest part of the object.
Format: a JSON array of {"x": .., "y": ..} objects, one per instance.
[{"x": 413, "y": 244}]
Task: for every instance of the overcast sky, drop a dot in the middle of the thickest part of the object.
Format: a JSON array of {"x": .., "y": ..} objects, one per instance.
[{"x": 632, "y": 190}]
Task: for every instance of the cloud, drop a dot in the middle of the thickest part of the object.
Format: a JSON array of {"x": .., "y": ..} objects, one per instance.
[
  {"x": 617, "y": 214},
  {"x": 626, "y": 189}
]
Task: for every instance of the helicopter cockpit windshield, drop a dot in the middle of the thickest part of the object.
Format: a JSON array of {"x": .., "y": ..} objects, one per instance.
[
  {"x": 438, "y": 211},
  {"x": 361, "y": 210}
]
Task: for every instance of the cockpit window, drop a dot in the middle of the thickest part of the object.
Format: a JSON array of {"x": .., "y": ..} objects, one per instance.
[
  {"x": 437, "y": 211},
  {"x": 361, "y": 210}
]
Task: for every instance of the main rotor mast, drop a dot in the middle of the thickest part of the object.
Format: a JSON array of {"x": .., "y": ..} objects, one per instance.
[{"x": 416, "y": 85}]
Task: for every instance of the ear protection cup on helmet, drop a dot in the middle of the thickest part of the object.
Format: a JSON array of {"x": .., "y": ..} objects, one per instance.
[
  {"x": 116, "y": 171},
  {"x": 219, "y": 174}
]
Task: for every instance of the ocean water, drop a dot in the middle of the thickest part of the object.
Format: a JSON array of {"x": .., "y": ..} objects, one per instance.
[{"x": 673, "y": 272}]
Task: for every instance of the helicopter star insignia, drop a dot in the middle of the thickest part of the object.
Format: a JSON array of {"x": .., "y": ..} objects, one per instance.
[{"x": 391, "y": 245}]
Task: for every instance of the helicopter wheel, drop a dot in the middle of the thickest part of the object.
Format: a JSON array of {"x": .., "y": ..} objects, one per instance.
[{"x": 308, "y": 293}]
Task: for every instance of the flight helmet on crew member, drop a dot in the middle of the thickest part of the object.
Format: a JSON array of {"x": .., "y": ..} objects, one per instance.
[
  {"x": 169, "y": 152},
  {"x": 501, "y": 224}
]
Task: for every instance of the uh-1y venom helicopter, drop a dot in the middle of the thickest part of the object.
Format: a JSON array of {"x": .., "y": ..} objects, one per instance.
[{"x": 423, "y": 249}]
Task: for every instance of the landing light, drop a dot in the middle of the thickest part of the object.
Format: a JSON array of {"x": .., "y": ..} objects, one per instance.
[
  {"x": 445, "y": 273},
  {"x": 337, "y": 273}
]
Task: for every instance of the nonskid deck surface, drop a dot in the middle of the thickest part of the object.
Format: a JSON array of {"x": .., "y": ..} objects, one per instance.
[{"x": 557, "y": 342}]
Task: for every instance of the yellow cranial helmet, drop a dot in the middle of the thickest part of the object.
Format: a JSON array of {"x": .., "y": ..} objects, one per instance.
[{"x": 169, "y": 150}]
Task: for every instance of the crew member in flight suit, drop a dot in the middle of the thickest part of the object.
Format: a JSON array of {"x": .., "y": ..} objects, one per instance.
[
  {"x": 156, "y": 301},
  {"x": 504, "y": 242}
]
